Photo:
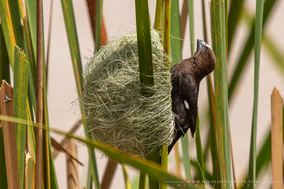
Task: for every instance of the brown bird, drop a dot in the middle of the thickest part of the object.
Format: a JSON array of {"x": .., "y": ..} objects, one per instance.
[{"x": 186, "y": 76}]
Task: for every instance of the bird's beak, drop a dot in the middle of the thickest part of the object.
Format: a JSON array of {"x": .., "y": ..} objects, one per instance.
[{"x": 200, "y": 45}]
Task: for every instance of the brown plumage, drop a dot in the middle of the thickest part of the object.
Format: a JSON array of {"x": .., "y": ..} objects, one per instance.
[{"x": 186, "y": 76}]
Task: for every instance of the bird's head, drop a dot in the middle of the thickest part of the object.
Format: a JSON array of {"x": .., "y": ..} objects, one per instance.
[{"x": 206, "y": 56}]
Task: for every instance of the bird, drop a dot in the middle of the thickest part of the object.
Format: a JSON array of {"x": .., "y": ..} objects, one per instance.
[{"x": 186, "y": 76}]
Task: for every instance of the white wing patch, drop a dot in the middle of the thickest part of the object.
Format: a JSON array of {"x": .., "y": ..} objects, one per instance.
[{"x": 186, "y": 105}]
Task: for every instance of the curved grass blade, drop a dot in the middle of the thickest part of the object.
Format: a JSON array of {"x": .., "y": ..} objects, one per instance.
[
  {"x": 274, "y": 51},
  {"x": 218, "y": 29},
  {"x": 268, "y": 5},
  {"x": 19, "y": 106},
  {"x": 257, "y": 48},
  {"x": 70, "y": 25},
  {"x": 146, "y": 166},
  {"x": 271, "y": 47}
]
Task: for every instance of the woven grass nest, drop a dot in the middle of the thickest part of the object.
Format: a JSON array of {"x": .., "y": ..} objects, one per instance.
[{"x": 117, "y": 113}]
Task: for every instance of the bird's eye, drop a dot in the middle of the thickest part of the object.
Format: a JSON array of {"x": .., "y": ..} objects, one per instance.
[{"x": 207, "y": 51}]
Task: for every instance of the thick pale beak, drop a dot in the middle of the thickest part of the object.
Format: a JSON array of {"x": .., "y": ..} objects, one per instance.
[{"x": 200, "y": 45}]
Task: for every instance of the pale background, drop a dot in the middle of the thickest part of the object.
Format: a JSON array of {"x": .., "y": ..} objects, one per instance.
[{"x": 120, "y": 18}]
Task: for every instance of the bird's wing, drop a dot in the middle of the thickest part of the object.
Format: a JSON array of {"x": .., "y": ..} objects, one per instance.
[
  {"x": 189, "y": 91},
  {"x": 177, "y": 101}
]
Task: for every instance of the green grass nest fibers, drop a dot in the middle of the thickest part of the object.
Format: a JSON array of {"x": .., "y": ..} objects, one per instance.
[{"x": 117, "y": 113}]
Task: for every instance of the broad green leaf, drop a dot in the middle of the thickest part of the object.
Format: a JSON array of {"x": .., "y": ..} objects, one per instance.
[
  {"x": 218, "y": 30},
  {"x": 72, "y": 36},
  {"x": 19, "y": 106}
]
